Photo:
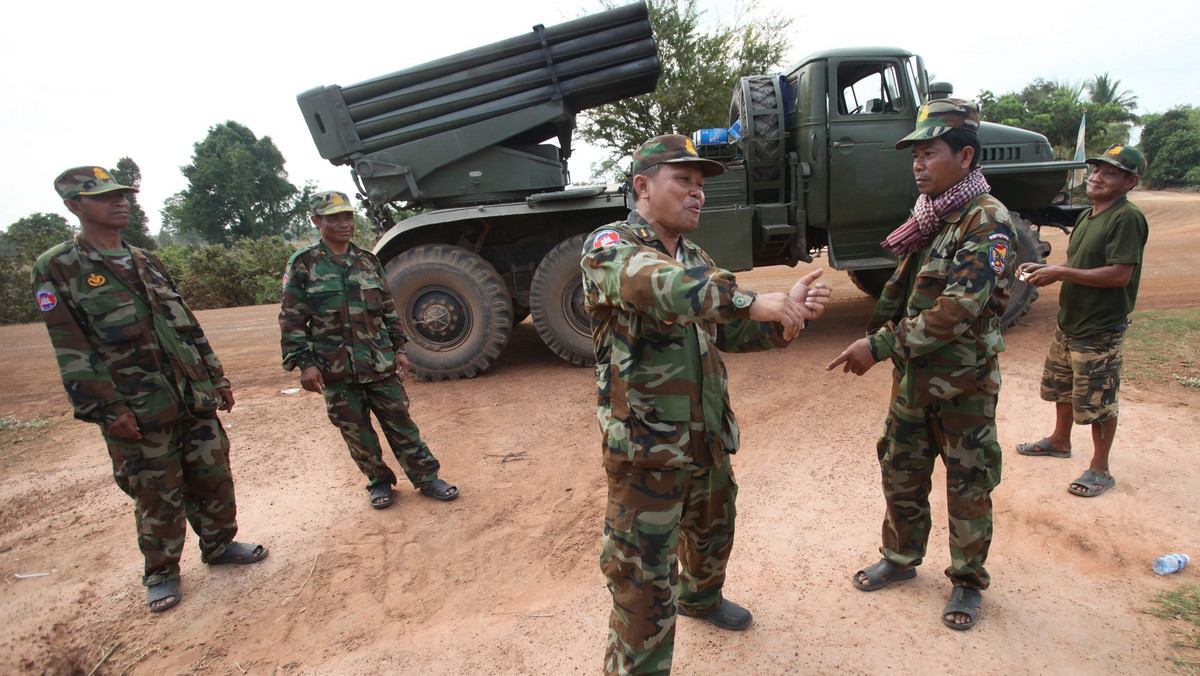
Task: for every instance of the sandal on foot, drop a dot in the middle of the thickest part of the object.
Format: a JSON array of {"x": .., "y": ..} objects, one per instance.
[
  {"x": 238, "y": 552},
  {"x": 881, "y": 575},
  {"x": 1090, "y": 484},
  {"x": 381, "y": 496},
  {"x": 1042, "y": 447},
  {"x": 965, "y": 601},
  {"x": 165, "y": 594},
  {"x": 439, "y": 490}
]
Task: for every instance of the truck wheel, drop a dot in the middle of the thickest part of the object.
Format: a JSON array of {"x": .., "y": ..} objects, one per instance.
[
  {"x": 1030, "y": 249},
  {"x": 871, "y": 281},
  {"x": 762, "y": 134},
  {"x": 556, "y": 304},
  {"x": 455, "y": 310}
]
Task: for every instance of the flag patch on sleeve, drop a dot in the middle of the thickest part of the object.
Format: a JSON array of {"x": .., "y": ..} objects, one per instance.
[
  {"x": 46, "y": 300},
  {"x": 605, "y": 238}
]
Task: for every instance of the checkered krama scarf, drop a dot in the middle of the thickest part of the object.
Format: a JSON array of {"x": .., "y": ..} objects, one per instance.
[{"x": 927, "y": 214}]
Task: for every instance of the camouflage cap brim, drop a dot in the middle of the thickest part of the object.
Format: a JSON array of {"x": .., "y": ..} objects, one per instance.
[
  {"x": 330, "y": 202},
  {"x": 938, "y": 117},
  {"x": 923, "y": 134},
  {"x": 107, "y": 188},
  {"x": 1122, "y": 157},
  {"x": 87, "y": 180},
  {"x": 672, "y": 149}
]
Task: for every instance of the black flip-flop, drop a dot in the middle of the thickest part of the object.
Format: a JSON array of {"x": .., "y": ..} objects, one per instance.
[
  {"x": 439, "y": 490},
  {"x": 383, "y": 491},
  {"x": 965, "y": 601},
  {"x": 241, "y": 553},
  {"x": 162, "y": 591}
]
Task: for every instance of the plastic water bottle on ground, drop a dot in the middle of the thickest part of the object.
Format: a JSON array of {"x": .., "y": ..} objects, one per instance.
[{"x": 1170, "y": 563}]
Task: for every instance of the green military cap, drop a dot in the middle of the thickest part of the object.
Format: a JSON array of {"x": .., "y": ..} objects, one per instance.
[
  {"x": 86, "y": 181},
  {"x": 330, "y": 202},
  {"x": 1122, "y": 157},
  {"x": 940, "y": 116},
  {"x": 672, "y": 149}
]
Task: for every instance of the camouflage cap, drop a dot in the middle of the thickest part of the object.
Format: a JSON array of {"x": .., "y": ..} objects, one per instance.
[
  {"x": 1122, "y": 157},
  {"x": 86, "y": 181},
  {"x": 940, "y": 116},
  {"x": 330, "y": 202},
  {"x": 672, "y": 149}
]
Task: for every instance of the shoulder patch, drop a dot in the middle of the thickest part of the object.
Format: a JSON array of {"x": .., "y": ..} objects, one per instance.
[
  {"x": 998, "y": 235},
  {"x": 605, "y": 238},
  {"x": 46, "y": 300},
  {"x": 285, "y": 280},
  {"x": 998, "y": 255}
]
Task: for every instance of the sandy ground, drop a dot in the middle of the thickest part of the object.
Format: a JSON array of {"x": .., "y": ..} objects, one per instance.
[{"x": 505, "y": 580}]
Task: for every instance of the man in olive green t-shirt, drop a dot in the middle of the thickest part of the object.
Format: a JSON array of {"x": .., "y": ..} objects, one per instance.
[{"x": 1099, "y": 289}]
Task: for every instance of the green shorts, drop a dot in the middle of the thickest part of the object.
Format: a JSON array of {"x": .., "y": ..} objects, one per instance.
[{"x": 1085, "y": 372}]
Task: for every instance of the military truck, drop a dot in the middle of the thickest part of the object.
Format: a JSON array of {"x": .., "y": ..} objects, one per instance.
[{"x": 811, "y": 168}]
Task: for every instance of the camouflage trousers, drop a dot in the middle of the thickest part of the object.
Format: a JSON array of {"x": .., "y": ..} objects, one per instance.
[
  {"x": 176, "y": 472},
  {"x": 961, "y": 430},
  {"x": 1086, "y": 373},
  {"x": 654, "y": 521},
  {"x": 350, "y": 405}
]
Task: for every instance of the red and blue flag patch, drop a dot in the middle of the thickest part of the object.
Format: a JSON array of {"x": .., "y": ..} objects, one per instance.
[{"x": 46, "y": 300}]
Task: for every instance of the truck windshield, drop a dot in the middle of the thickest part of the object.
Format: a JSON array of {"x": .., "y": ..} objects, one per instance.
[
  {"x": 916, "y": 76},
  {"x": 869, "y": 89}
]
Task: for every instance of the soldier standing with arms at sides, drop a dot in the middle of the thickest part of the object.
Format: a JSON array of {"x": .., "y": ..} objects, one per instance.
[
  {"x": 341, "y": 330},
  {"x": 1099, "y": 290},
  {"x": 938, "y": 320},
  {"x": 134, "y": 360},
  {"x": 660, "y": 311}
]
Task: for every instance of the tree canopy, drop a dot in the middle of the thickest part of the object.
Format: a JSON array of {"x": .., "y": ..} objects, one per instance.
[
  {"x": 20, "y": 247},
  {"x": 1055, "y": 110},
  {"x": 237, "y": 188},
  {"x": 1171, "y": 143},
  {"x": 137, "y": 232},
  {"x": 699, "y": 69}
]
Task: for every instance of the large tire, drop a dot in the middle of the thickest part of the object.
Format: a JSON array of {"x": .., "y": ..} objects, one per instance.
[
  {"x": 454, "y": 307},
  {"x": 1030, "y": 249},
  {"x": 871, "y": 281},
  {"x": 556, "y": 304},
  {"x": 762, "y": 134}
]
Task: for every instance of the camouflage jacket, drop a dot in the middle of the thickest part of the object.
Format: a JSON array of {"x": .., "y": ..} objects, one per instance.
[
  {"x": 121, "y": 351},
  {"x": 938, "y": 317},
  {"x": 657, "y": 323},
  {"x": 338, "y": 315}
]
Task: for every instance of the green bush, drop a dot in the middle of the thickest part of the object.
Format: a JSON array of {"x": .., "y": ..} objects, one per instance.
[{"x": 247, "y": 272}]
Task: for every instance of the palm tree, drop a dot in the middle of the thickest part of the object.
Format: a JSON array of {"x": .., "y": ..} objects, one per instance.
[{"x": 1104, "y": 89}]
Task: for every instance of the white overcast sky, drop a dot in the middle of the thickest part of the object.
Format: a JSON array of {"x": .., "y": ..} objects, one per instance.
[{"x": 89, "y": 83}]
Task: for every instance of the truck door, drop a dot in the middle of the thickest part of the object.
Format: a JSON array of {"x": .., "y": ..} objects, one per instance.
[{"x": 871, "y": 106}]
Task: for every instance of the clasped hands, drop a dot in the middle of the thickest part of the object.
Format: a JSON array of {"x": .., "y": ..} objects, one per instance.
[{"x": 806, "y": 300}]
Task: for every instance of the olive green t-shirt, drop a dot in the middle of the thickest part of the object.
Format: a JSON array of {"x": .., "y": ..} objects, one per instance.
[{"x": 1118, "y": 235}]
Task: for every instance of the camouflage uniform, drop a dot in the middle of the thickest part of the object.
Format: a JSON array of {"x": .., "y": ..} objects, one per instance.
[
  {"x": 338, "y": 315},
  {"x": 667, "y": 430},
  {"x": 938, "y": 320},
  {"x": 126, "y": 342}
]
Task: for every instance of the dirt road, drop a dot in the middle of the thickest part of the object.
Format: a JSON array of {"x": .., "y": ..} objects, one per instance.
[{"x": 505, "y": 580}]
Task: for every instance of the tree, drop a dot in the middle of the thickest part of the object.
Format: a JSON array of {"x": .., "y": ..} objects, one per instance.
[
  {"x": 237, "y": 188},
  {"x": 699, "y": 69},
  {"x": 1171, "y": 143},
  {"x": 137, "y": 232},
  {"x": 1104, "y": 89},
  {"x": 1054, "y": 109},
  {"x": 20, "y": 246}
]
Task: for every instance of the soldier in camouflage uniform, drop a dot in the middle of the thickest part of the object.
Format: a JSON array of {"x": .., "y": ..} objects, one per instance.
[
  {"x": 938, "y": 321},
  {"x": 341, "y": 330},
  {"x": 660, "y": 312},
  {"x": 1099, "y": 289},
  {"x": 135, "y": 362}
]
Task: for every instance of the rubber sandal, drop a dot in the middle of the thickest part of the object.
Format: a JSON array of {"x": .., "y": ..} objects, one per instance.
[
  {"x": 881, "y": 575},
  {"x": 439, "y": 490},
  {"x": 965, "y": 601},
  {"x": 1042, "y": 447},
  {"x": 238, "y": 552},
  {"x": 383, "y": 494},
  {"x": 163, "y": 591},
  {"x": 1091, "y": 484}
]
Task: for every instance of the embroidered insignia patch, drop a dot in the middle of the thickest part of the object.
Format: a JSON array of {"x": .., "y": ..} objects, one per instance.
[
  {"x": 605, "y": 238},
  {"x": 95, "y": 279},
  {"x": 998, "y": 256},
  {"x": 46, "y": 300},
  {"x": 285, "y": 278},
  {"x": 998, "y": 235}
]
